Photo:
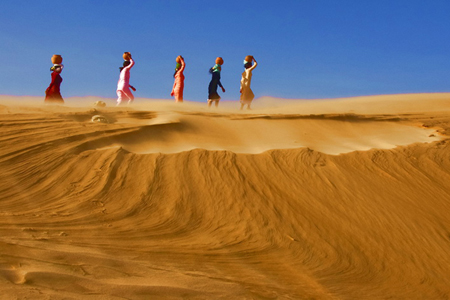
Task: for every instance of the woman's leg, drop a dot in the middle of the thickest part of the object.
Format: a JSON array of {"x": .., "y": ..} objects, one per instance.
[
  {"x": 119, "y": 97},
  {"x": 129, "y": 95}
]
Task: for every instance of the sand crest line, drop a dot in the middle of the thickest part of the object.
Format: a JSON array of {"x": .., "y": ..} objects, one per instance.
[{"x": 332, "y": 134}]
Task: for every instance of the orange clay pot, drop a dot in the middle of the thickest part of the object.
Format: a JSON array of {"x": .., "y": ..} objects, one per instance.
[
  {"x": 178, "y": 59},
  {"x": 56, "y": 59},
  {"x": 219, "y": 61},
  {"x": 249, "y": 58},
  {"x": 126, "y": 55}
]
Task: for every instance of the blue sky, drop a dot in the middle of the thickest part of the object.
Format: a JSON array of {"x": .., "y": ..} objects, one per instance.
[{"x": 305, "y": 49}]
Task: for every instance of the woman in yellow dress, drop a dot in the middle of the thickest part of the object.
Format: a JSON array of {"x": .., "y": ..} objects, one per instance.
[{"x": 246, "y": 92}]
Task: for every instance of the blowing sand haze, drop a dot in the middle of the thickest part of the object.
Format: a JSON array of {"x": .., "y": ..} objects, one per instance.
[{"x": 326, "y": 199}]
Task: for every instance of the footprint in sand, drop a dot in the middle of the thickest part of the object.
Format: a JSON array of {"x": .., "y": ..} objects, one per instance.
[
  {"x": 99, "y": 119},
  {"x": 13, "y": 275},
  {"x": 99, "y": 104}
]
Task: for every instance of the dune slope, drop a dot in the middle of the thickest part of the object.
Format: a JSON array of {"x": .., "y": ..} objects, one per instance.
[{"x": 88, "y": 212}]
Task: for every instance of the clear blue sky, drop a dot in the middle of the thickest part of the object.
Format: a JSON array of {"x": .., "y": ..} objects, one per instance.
[{"x": 305, "y": 49}]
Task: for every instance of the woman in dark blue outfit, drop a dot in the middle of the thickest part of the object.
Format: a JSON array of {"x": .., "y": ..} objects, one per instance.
[{"x": 215, "y": 81}]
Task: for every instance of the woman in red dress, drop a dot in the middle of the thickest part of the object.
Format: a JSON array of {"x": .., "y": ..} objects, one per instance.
[{"x": 53, "y": 93}]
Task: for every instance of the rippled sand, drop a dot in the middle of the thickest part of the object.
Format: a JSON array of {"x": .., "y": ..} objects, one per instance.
[{"x": 330, "y": 199}]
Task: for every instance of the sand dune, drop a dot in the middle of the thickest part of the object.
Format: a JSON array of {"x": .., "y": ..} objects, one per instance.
[{"x": 326, "y": 199}]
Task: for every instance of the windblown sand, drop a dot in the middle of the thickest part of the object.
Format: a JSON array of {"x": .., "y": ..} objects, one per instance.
[{"x": 296, "y": 199}]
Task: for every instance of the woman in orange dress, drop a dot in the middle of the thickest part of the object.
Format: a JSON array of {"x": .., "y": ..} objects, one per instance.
[{"x": 178, "y": 85}]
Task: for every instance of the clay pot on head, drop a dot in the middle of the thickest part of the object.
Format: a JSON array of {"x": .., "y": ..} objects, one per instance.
[
  {"x": 249, "y": 58},
  {"x": 126, "y": 55},
  {"x": 56, "y": 59},
  {"x": 179, "y": 59},
  {"x": 219, "y": 61}
]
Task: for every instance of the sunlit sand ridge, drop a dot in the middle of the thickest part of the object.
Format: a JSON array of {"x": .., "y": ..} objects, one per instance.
[{"x": 330, "y": 199}]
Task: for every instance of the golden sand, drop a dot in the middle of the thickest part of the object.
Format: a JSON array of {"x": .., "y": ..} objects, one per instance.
[{"x": 296, "y": 199}]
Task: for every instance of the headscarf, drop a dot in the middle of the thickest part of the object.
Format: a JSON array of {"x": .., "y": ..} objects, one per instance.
[
  {"x": 125, "y": 64},
  {"x": 177, "y": 67},
  {"x": 56, "y": 66},
  {"x": 216, "y": 68}
]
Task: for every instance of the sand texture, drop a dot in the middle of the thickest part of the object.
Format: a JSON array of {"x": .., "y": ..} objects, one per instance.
[{"x": 295, "y": 199}]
